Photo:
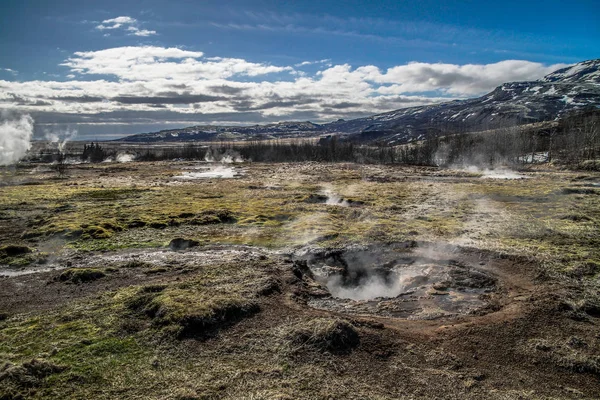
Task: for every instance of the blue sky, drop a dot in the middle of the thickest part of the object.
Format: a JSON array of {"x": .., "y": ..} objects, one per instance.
[{"x": 108, "y": 68}]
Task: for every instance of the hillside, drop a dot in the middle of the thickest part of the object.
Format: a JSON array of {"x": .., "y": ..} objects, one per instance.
[{"x": 515, "y": 103}]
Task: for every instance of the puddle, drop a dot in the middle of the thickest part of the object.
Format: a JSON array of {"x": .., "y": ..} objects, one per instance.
[
  {"x": 401, "y": 283},
  {"x": 27, "y": 271},
  {"x": 192, "y": 258},
  {"x": 210, "y": 172},
  {"x": 502, "y": 174}
]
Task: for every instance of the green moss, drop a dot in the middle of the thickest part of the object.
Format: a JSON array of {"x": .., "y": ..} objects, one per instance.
[
  {"x": 81, "y": 275},
  {"x": 190, "y": 308},
  {"x": 96, "y": 232}
]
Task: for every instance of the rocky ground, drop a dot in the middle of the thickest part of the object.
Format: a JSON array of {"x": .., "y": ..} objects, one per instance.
[{"x": 187, "y": 280}]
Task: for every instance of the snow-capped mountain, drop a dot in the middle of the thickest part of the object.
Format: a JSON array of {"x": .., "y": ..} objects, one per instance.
[
  {"x": 516, "y": 103},
  {"x": 511, "y": 104}
]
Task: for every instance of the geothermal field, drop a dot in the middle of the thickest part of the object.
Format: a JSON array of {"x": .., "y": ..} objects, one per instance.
[{"x": 240, "y": 280}]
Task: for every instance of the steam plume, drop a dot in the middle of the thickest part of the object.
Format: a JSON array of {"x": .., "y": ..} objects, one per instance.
[
  {"x": 61, "y": 138},
  {"x": 15, "y": 138}
]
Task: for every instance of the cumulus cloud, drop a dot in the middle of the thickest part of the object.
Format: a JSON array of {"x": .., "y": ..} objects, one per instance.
[
  {"x": 140, "y": 32},
  {"x": 143, "y": 63},
  {"x": 151, "y": 83},
  {"x": 129, "y": 24},
  {"x": 115, "y": 23},
  {"x": 120, "y": 20},
  {"x": 468, "y": 79}
]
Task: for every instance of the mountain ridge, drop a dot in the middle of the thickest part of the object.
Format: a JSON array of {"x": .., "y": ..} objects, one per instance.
[{"x": 513, "y": 103}]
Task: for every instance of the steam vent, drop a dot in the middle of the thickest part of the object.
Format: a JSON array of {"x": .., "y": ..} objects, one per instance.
[
  {"x": 299, "y": 200},
  {"x": 410, "y": 281}
]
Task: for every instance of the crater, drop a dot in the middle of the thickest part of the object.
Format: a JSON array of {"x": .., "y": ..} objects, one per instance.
[{"x": 402, "y": 281}]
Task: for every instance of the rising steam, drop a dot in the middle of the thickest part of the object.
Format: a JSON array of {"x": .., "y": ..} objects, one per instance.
[
  {"x": 60, "y": 139},
  {"x": 15, "y": 138}
]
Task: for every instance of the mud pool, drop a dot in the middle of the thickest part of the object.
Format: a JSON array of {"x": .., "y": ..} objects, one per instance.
[{"x": 413, "y": 283}]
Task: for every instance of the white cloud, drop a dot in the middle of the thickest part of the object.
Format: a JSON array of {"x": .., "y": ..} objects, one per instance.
[
  {"x": 140, "y": 32},
  {"x": 468, "y": 79},
  {"x": 129, "y": 24},
  {"x": 120, "y": 20},
  {"x": 104, "y": 27},
  {"x": 304, "y": 63},
  {"x": 144, "y": 63},
  {"x": 161, "y": 83}
]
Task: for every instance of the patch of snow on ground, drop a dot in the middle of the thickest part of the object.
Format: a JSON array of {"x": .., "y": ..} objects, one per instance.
[
  {"x": 541, "y": 157},
  {"x": 535, "y": 89}
]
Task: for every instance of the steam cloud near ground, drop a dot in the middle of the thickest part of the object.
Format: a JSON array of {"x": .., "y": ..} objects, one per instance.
[
  {"x": 490, "y": 165},
  {"x": 227, "y": 157},
  {"x": 60, "y": 138},
  {"x": 15, "y": 138}
]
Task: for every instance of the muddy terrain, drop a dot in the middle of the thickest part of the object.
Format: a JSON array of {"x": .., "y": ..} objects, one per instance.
[{"x": 191, "y": 280}]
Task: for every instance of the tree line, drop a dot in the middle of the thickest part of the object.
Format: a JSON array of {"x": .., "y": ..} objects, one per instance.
[{"x": 573, "y": 141}]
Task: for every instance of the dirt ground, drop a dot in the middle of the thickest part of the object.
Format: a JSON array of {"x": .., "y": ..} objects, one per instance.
[{"x": 96, "y": 301}]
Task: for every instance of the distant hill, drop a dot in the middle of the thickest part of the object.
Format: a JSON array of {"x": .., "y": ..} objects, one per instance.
[
  {"x": 518, "y": 103},
  {"x": 214, "y": 133}
]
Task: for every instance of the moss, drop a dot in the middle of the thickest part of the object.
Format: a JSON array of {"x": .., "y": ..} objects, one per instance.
[
  {"x": 156, "y": 270},
  {"x": 209, "y": 217},
  {"x": 326, "y": 334},
  {"x": 197, "y": 314},
  {"x": 18, "y": 380},
  {"x": 96, "y": 232},
  {"x": 199, "y": 307},
  {"x": 111, "y": 194},
  {"x": 115, "y": 342},
  {"x": 138, "y": 264},
  {"x": 81, "y": 275}
]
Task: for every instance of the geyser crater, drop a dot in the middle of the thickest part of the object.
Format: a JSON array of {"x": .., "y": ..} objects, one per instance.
[{"x": 396, "y": 281}]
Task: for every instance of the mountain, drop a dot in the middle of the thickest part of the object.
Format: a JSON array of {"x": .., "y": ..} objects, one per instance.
[
  {"x": 517, "y": 103},
  {"x": 511, "y": 104},
  {"x": 214, "y": 132}
]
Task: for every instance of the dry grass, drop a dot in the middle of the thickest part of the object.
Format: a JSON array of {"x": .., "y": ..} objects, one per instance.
[{"x": 236, "y": 330}]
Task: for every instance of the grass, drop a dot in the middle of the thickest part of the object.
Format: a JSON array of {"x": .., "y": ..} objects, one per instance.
[
  {"x": 324, "y": 334},
  {"x": 234, "y": 212},
  {"x": 81, "y": 275},
  {"x": 104, "y": 346},
  {"x": 213, "y": 331}
]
